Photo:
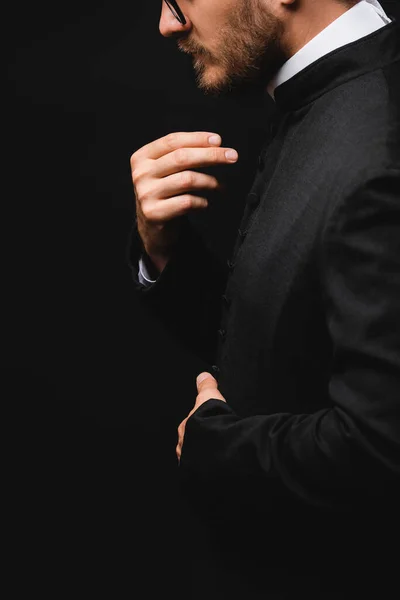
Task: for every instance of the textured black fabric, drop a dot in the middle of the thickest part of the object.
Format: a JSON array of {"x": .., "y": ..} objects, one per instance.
[
  {"x": 187, "y": 295},
  {"x": 294, "y": 482}
]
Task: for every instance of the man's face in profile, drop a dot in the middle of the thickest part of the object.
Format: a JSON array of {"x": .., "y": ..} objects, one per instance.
[{"x": 232, "y": 42}]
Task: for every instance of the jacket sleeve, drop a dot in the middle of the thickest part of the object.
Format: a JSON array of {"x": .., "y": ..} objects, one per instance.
[
  {"x": 187, "y": 296},
  {"x": 336, "y": 457}
]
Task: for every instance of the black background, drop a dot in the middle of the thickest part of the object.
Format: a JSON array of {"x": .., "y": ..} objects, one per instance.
[
  {"x": 94, "y": 83},
  {"x": 91, "y": 83}
]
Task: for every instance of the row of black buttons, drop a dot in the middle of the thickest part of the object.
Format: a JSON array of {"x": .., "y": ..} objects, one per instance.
[
  {"x": 252, "y": 202},
  {"x": 226, "y": 302}
]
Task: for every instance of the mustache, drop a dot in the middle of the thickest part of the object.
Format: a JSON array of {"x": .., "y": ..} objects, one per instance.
[{"x": 190, "y": 47}]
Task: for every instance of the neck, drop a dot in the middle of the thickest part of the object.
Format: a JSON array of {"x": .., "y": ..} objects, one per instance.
[{"x": 304, "y": 21}]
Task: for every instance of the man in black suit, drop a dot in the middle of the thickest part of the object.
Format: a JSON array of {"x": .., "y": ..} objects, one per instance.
[{"x": 290, "y": 458}]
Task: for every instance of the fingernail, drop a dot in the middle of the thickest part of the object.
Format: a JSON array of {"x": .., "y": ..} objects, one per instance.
[
  {"x": 214, "y": 140},
  {"x": 231, "y": 154},
  {"x": 202, "y": 377}
]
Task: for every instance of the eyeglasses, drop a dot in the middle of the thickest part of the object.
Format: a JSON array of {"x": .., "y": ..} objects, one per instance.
[{"x": 176, "y": 11}]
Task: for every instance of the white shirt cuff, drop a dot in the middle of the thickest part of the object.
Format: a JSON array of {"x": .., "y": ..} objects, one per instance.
[{"x": 143, "y": 274}]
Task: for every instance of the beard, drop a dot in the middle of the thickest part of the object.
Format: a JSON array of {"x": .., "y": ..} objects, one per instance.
[{"x": 248, "y": 51}]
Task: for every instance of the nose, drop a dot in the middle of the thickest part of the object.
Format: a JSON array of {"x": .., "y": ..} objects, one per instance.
[{"x": 169, "y": 25}]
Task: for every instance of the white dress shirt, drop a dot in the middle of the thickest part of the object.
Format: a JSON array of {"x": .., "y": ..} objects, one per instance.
[{"x": 363, "y": 18}]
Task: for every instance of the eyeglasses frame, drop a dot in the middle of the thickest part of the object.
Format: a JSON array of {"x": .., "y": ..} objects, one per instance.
[{"x": 176, "y": 11}]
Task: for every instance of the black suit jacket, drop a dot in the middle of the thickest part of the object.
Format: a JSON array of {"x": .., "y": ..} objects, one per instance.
[{"x": 295, "y": 478}]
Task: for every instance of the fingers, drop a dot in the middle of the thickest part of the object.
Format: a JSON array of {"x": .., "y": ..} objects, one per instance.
[
  {"x": 206, "y": 381},
  {"x": 184, "y": 158},
  {"x": 173, "y": 188},
  {"x": 168, "y": 178},
  {"x": 183, "y": 182},
  {"x": 163, "y": 185},
  {"x": 173, "y": 141},
  {"x": 160, "y": 212},
  {"x": 181, "y": 435},
  {"x": 207, "y": 387},
  {"x": 178, "y": 451}
]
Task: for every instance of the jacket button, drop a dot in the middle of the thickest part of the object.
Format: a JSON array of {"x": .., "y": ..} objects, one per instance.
[
  {"x": 226, "y": 301},
  {"x": 222, "y": 333},
  {"x": 273, "y": 129},
  {"x": 215, "y": 369}
]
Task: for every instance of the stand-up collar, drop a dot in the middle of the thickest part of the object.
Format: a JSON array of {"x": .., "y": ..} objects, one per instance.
[
  {"x": 374, "y": 51},
  {"x": 363, "y": 18}
]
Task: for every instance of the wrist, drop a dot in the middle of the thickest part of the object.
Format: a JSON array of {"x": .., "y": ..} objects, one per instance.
[{"x": 154, "y": 264}]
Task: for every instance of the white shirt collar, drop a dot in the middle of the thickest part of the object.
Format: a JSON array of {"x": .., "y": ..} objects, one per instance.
[{"x": 362, "y": 19}]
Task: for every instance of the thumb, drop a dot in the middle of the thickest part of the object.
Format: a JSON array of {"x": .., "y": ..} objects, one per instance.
[{"x": 208, "y": 379}]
